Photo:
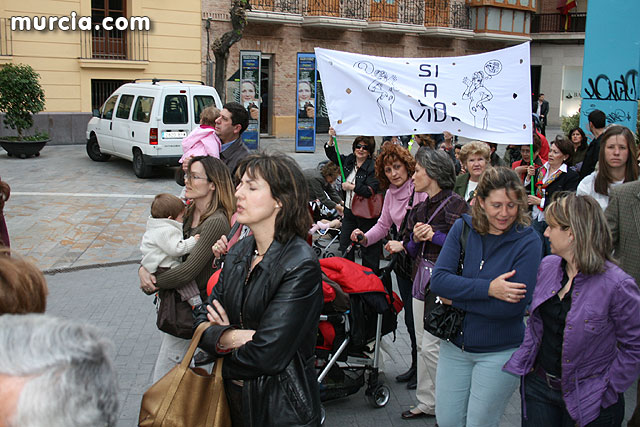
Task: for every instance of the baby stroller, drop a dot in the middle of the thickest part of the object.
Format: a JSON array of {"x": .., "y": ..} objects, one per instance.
[
  {"x": 359, "y": 310},
  {"x": 323, "y": 239}
]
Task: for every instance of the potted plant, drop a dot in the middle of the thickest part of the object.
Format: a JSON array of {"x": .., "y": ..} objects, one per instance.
[{"x": 21, "y": 96}]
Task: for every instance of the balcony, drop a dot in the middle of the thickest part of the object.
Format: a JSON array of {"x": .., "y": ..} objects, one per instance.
[
  {"x": 558, "y": 23},
  {"x": 6, "y": 41},
  {"x": 416, "y": 16},
  {"x": 114, "y": 49}
]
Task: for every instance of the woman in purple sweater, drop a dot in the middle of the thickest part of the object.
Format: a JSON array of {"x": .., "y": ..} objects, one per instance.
[
  {"x": 581, "y": 348},
  {"x": 394, "y": 165}
]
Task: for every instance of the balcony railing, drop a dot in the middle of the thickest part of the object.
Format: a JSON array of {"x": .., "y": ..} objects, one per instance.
[
  {"x": 440, "y": 13},
  {"x": 556, "y": 22},
  {"x": 115, "y": 45},
  {"x": 6, "y": 42}
]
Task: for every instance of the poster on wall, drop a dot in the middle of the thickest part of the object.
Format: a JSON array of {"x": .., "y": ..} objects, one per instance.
[
  {"x": 250, "y": 96},
  {"x": 610, "y": 75},
  {"x": 484, "y": 96},
  {"x": 306, "y": 103}
]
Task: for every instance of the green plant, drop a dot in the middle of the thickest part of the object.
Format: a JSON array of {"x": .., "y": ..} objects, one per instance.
[
  {"x": 21, "y": 96},
  {"x": 570, "y": 122}
]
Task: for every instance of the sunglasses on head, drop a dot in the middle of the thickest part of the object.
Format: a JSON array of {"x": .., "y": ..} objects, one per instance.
[{"x": 362, "y": 147}]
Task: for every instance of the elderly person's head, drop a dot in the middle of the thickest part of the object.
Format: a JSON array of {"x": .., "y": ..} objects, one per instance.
[
  {"x": 23, "y": 288},
  {"x": 560, "y": 151},
  {"x": 578, "y": 232},
  {"x": 434, "y": 171},
  {"x": 501, "y": 202},
  {"x": 475, "y": 157},
  {"x": 394, "y": 165},
  {"x": 55, "y": 372},
  {"x": 363, "y": 147},
  {"x": 330, "y": 172}
]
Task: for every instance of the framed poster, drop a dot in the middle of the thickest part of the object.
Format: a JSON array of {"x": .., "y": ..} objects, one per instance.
[
  {"x": 306, "y": 103},
  {"x": 250, "y": 96}
]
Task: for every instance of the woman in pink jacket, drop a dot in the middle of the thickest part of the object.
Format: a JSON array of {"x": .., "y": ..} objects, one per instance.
[{"x": 394, "y": 166}]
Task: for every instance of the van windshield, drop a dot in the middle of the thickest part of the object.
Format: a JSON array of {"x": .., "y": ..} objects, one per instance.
[{"x": 175, "y": 110}]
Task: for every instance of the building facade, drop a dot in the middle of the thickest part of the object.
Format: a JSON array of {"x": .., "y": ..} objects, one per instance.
[
  {"x": 80, "y": 68},
  {"x": 279, "y": 29}
]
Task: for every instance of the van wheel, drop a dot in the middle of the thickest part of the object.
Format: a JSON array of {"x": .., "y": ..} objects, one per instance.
[
  {"x": 140, "y": 167},
  {"x": 93, "y": 150}
]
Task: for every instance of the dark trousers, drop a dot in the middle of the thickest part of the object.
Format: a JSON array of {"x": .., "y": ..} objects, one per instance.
[
  {"x": 405, "y": 286},
  {"x": 539, "y": 227},
  {"x": 370, "y": 254},
  {"x": 545, "y": 407}
]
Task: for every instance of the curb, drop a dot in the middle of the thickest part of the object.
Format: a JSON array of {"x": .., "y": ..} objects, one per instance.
[{"x": 53, "y": 271}]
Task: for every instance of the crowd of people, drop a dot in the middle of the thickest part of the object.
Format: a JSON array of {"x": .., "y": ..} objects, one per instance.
[{"x": 553, "y": 236}]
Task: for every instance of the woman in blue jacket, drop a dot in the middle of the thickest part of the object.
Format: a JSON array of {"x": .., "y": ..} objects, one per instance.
[{"x": 501, "y": 259}]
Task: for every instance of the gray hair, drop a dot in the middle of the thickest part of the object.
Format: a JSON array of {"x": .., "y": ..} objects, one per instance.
[
  {"x": 438, "y": 165},
  {"x": 71, "y": 381}
]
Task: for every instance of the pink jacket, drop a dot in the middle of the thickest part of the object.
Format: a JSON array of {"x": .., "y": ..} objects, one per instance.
[{"x": 202, "y": 141}]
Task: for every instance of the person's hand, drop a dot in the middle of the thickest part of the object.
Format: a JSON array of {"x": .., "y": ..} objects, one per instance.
[
  {"x": 216, "y": 314},
  {"x": 531, "y": 170},
  {"x": 340, "y": 209},
  {"x": 446, "y": 301},
  {"x": 533, "y": 200},
  {"x": 394, "y": 246},
  {"x": 197, "y": 236},
  {"x": 185, "y": 164},
  {"x": 348, "y": 186},
  {"x": 354, "y": 236},
  {"x": 500, "y": 288},
  {"x": 521, "y": 169},
  {"x": 220, "y": 247},
  {"x": 422, "y": 232},
  {"x": 147, "y": 281}
]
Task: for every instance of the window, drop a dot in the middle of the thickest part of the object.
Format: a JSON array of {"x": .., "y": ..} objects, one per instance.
[
  {"x": 175, "y": 110},
  {"x": 101, "y": 89},
  {"x": 124, "y": 107},
  {"x": 107, "y": 112},
  {"x": 142, "y": 110},
  {"x": 108, "y": 44},
  {"x": 200, "y": 102}
]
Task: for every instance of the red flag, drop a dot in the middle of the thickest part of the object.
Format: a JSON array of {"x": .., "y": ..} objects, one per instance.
[{"x": 564, "y": 6}]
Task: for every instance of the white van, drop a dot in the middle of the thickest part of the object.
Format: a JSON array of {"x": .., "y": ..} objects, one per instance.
[{"x": 145, "y": 122}]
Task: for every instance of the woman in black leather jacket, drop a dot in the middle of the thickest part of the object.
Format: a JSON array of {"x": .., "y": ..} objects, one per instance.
[
  {"x": 266, "y": 305},
  {"x": 360, "y": 174}
]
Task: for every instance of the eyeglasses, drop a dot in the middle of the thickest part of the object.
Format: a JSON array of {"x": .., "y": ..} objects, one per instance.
[
  {"x": 362, "y": 147},
  {"x": 188, "y": 177}
]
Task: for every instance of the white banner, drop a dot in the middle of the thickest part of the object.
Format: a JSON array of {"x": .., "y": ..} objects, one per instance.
[{"x": 485, "y": 96}]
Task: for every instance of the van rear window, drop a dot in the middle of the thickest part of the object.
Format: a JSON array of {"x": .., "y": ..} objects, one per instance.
[
  {"x": 142, "y": 110},
  {"x": 175, "y": 110},
  {"x": 200, "y": 102},
  {"x": 124, "y": 107}
]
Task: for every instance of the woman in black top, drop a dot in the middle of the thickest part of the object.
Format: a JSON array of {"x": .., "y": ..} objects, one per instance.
[{"x": 360, "y": 174}]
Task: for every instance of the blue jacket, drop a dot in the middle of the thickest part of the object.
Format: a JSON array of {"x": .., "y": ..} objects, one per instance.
[
  {"x": 490, "y": 324},
  {"x": 601, "y": 345}
]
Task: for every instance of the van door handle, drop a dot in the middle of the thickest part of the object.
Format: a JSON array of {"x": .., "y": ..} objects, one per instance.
[
  {"x": 111, "y": 126},
  {"x": 132, "y": 134}
]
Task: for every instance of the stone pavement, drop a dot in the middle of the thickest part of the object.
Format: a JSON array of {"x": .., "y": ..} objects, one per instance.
[{"x": 82, "y": 221}]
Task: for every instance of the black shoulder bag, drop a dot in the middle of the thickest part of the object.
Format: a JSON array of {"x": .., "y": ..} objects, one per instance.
[{"x": 443, "y": 320}]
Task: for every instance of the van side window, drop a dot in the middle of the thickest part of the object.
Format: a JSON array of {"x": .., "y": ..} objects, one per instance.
[
  {"x": 124, "y": 107},
  {"x": 175, "y": 110},
  {"x": 107, "y": 112},
  {"x": 200, "y": 102},
  {"x": 142, "y": 109}
]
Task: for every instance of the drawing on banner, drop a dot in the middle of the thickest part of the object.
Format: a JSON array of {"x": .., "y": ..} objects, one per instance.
[
  {"x": 382, "y": 85},
  {"x": 477, "y": 93}
]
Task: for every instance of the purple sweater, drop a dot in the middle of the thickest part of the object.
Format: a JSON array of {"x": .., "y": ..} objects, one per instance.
[
  {"x": 394, "y": 209},
  {"x": 601, "y": 347}
]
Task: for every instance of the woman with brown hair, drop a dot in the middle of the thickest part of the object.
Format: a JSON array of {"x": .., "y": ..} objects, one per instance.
[
  {"x": 23, "y": 288},
  {"x": 394, "y": 168},
  {"x": 5, "y": 192},
  {"x": 359, "y": 171},
  {"x": 501, "y": 259},
  {"x": 210, "y": 188},
  {"x": 266, "y": 306},
  {"x": 617, "y": 164}
]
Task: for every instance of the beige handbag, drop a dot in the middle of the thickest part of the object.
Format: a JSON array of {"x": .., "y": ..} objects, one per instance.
[{"x": 187, "y": 397}]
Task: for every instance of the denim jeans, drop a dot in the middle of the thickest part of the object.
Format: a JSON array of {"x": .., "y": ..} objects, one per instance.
[
  {"x": 545, "y": 407},
  {"x": 471, "y": 388}
]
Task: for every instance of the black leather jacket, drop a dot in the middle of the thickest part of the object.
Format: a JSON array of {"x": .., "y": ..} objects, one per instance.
[
  {"x": 365, "y": 175},
  {"x": 281, "y": 301}
]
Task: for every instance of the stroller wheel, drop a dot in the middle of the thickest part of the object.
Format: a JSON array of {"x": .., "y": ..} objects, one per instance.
[
  {"x": 380, "y": 396},
  {"x": 317, "y": 250},
  {"x": 323, "y": 415}
]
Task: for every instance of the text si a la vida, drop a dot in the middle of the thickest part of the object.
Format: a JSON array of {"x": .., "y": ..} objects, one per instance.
[{"x": 424, "y": 112}]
